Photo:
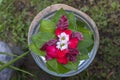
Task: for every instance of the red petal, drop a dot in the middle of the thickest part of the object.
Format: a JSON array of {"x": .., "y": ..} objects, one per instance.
[
  {"x": 68, "y": 32},
  {"x": 73, "y": 43},
  {"x": 62, "y": 53},
  {"x": 62, "y": 60},
  {"x": 51, "y": 51},
  {"x": 58, "y": 31}
]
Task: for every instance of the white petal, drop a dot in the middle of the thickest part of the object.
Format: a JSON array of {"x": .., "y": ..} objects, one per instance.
[{"x": 64, "y": 47}]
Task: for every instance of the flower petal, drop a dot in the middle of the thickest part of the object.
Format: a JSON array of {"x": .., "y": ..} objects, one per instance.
[
  {"x": 52, "y": 42},
  {"x": 43, "y": 48},
  {"x": 77, "y": 35},
  {"x": 72, "y": 54},
  {"x": 51, "y": 51},
  {"x": 61, "y": 54},
  {"x": 73, "y": 43},
  {"x": 49, "y": 43},
  {"x": 72, "y": 58},
  {"x": 58, "y": 31},
  {"x": 63, "y": 23},
  {"x": 68, "y": 32},
  {"x": 63, "y": 60},
  {"x": 73, "y": 51}
]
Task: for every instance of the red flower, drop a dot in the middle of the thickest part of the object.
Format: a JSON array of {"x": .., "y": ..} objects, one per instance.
[{"x": 53, "y": 52}]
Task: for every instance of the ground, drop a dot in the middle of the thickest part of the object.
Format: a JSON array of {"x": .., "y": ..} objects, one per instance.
[{"x": 15, "y": 19}]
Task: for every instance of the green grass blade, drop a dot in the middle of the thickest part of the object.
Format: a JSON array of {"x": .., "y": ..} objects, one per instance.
[
  {"x": 4, "y": 53},
  {"x": 1, "y": 1},
  {"x": 17, "y": 69},
  {"x": 12, "y": 61}
]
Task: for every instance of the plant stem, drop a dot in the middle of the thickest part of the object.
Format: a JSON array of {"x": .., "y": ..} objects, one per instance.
[
  {"x": 18, "y": 69},
  {"x": 12, "y": 61}
]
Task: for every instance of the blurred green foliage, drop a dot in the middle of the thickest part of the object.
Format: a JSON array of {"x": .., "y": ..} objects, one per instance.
[{"x": 16, "y": 16}]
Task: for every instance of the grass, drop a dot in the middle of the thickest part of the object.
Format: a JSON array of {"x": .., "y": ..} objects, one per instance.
[{"x": 16, "y": 16}]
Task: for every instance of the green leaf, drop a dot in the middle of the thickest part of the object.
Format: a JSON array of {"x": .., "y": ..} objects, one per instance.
[
  {"x": 88, "y": 41},
  {"x": 47, "y": 26},
  {"x": 84, "y": 30},
  {"x": 72, "y": 21},
  {"x": 1, "y": 28},
  {"x": 1, "y": 1},
  {"x": 62, "y": 69},
  {"x": 72, "y": 65},
  {"x": 58, "y": 15},
  {"x": 53, "y": 65},
  {"x": 90, "y": 48},
  {"x": 36, "y": 50},
  {"x": 84, "y": 54},
  {"x": 80, "y": 23}
]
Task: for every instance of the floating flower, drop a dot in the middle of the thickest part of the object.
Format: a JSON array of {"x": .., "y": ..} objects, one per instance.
[{"x": 64, "y": 47}]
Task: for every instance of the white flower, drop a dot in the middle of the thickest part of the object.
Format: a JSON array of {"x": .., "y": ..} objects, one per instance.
[
  {"x": 63, "y": 37},
  {"x": 63, "y": 41},
  {"x": 62, "y": 45}
]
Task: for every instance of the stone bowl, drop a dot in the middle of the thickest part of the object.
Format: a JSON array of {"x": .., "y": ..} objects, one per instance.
[{"x": 47, "y": 13}]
